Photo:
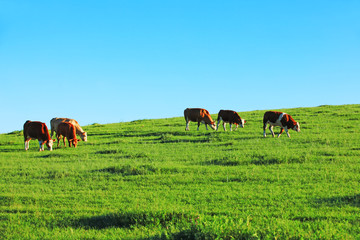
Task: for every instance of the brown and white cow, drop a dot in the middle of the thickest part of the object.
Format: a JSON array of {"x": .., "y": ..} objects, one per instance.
[
  {"x": 281, "y": 119},
  {"x": 198, "y": 115},
  {"x": 231, "y": 117},
  {"x": 39, "y": 131},
  {"x": 56, "y": 121},
  {"x": 67, "y": 130}
]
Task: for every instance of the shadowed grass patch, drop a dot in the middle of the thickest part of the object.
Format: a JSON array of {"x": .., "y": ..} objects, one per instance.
[
  {"x": 131, "y": 219},
  {"x": 353, "y": 200},
  {"x": 131, "y": 170},
  {"x": 57, "y": 174}
]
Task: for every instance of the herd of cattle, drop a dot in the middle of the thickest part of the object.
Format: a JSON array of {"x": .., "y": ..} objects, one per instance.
[
  {"x": 68, "y": 128},
  {"x": 65, "y": 127},
  {"x": 272, "y": 118}
]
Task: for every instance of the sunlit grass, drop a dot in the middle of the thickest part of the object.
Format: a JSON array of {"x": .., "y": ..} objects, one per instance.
[{"x": 152, "y": 179}]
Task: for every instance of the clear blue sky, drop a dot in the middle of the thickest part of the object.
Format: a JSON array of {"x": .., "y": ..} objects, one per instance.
[{"x": 112, "y": 61}]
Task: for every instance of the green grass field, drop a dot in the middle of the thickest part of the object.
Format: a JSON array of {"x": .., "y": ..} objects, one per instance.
[{"x": 150, "y": 179}]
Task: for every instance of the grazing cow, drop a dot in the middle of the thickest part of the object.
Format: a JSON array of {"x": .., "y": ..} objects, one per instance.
[
  {"x": 283, "y": 120},
  {"x": 198, "y": 115},
  {"x": 229, "y": 116},
  {"x": 67, "y": 130},
  {"x": 56, "y": 121},
  {"x": 39, "y": 131}
]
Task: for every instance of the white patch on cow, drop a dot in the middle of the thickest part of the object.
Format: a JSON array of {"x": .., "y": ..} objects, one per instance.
[
  {"x": 26, "y": 145},
  {"x": 187, "y": 125},
  {"x": 278, "y": 121},
  {"x": 51, "y": 142},
  {"x": 242, "y": 123}
]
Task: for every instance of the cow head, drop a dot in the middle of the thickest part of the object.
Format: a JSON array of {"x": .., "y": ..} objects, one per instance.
[
  {"x": 296, "y": 127},
  {"x": 49, "y": 144},
  {"x": 83, "y": 136},
  {"x": 242, "y": 123},
  {"x": 74, "y": 141},
  {"x": 213, "y": 125}
]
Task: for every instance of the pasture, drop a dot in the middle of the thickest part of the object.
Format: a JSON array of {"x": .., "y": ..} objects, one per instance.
[{"x": 151, "y": 179}]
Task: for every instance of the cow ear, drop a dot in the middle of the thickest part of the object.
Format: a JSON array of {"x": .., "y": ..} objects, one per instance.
[{"x": 54, "y": 140}]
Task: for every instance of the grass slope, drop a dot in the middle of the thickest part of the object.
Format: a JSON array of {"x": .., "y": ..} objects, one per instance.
[{"x": 150, "y": 179}]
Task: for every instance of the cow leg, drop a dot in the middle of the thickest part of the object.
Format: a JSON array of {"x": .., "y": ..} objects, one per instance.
[
  {"x": 224, "y": 126},
  {"x": 198, "y": 126},
  {"x": 217, "y": 125},
  {"x": 27, "y": 144},
  {"x": 271, "y": 130},
  {"x": 287, "y": 132},
  {"x": 58, "y": 139},
  {"x": 64, "y": 141},
  {"x": 41, "y": 145},
  {"x": 187, "y": 126},
  {"x": 230, "y": 127},
  {"x": 206, "y": 126},
  {"x": 264, "y": 127},
  {"x": 281, "y": 131},
  {"x": 237, "y": 125}
]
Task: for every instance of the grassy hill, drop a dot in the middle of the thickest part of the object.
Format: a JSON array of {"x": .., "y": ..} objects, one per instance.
[{"x": 150, "y": 179}]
